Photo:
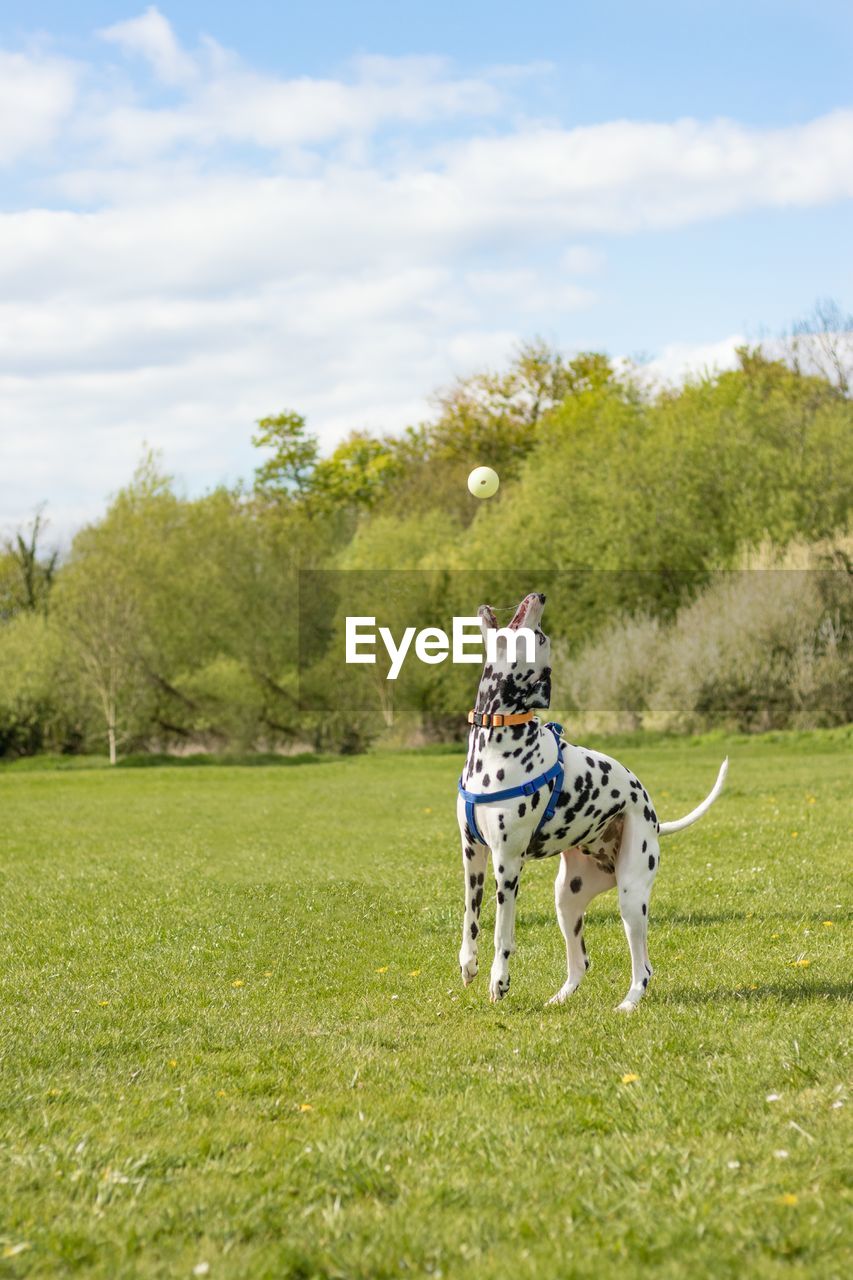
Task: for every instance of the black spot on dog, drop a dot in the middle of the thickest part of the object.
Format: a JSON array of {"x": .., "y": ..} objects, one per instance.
[
  {"x": 522, "y": 809},
  {"x": 478, "y": 764},
  {"x": 534, "y": 800},
  {"x": 633, "y": 797},
  {"x": 615, "y": 794},
  {"x": 500, "y": 896},
  {"x": 473, "y": 881},
  {"x": 590, "y": 761},
  {"x": 644, "y": 908},
  {"x": 645, "y": 983},
  {"x": 645, "y": 845},
  {"x": 487, "y": 782},
  {"x": 481, "y": 877},
  {"x": 506, "y": 955},
  {"x": 579, "y": 925},
  {"x": 576, "y": 884},
  {"x": 651, "y": 862},
  {"x": 474, "y": 929},
  {"x": 500, "y": 775}
]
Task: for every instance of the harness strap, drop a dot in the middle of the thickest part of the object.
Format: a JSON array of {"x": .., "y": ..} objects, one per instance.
[{"x": 556, "y": 771}]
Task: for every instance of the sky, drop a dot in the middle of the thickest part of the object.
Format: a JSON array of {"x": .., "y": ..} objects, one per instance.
[{"x": 214, "y": 212}]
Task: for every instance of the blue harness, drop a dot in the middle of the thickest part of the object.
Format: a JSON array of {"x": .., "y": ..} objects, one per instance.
[{"x": 556, "y": 772}]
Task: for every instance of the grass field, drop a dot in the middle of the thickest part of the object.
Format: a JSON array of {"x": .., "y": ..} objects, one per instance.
[{"x": 234, "y": 1040}]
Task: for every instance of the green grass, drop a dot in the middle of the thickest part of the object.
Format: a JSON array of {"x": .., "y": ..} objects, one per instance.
[{"x": 193, "y": 957}]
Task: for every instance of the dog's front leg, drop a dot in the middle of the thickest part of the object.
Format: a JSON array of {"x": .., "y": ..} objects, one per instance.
[
  {"x": 475, "y": 858},
  {"x": 507, "y": 876}
]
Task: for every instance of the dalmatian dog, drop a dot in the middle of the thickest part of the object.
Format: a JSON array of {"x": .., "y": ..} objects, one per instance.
[{"x": 601, "y": 820}]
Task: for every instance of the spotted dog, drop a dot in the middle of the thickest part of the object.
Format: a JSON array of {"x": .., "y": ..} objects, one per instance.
[{"x": 602, "y": 822}]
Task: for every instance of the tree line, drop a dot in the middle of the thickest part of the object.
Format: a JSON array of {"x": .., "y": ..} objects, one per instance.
[{"x": 216, "y": 622}]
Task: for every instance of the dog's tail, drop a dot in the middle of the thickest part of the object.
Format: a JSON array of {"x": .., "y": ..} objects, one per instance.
[{"x": 667, "y": 828}]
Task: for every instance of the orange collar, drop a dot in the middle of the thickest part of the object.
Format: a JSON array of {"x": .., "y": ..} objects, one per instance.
[{"x": 483, "y": 720}]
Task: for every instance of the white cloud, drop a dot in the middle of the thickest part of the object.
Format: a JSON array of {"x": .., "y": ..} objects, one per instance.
[
  {"x": 263, "y": 242},
  {"x": 36, "y": 94},
  {"x": 679, "y": 360},
  {"x": 152, "y": 38}
]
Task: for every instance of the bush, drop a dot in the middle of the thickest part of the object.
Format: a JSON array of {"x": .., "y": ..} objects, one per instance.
[{"x": 758, "y": 649}]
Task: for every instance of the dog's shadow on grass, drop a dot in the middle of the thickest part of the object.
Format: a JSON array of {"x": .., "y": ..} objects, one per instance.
[
  {"x": 790, "y": 993},
  {"x": 667, "y": 916}
]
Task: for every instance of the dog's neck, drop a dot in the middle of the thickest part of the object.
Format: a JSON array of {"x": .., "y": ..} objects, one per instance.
[{"x": 499, "y": 692}]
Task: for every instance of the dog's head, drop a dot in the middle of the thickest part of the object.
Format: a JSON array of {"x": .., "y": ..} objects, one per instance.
[{"x": 512, "y": 681}]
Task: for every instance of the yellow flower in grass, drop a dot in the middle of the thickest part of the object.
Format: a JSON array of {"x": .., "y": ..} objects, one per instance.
[
  {"x": 630, "y": 1078},
  {"x": 794, "y": 835},
  {"x": 383, "y": 968},
  {"x": 827, "y": 924},
  {"x": 220, "y": 1093},
  {"x": 305, "y": 1106},
  {"x": 238, "y": 982},
  {"x": 103, "y": 1003},
  {"x": 414, "y": 973},
  {"x": 173, "y": 1062},
  {"x": 789, "y": 1199},
  {"x": 802, "y": 963}
]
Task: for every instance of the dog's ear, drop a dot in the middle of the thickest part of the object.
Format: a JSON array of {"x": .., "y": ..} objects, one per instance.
[{"x": 488, "y": 621}]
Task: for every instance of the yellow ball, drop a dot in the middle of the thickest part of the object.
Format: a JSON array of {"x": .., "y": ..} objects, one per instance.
[{"x": 483, "y": 482}]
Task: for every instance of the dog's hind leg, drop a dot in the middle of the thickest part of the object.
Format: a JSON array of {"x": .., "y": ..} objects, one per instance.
[
  {"x": 636, "y": 868},
  {"x": 579, "y": 880},
  {"x": 475, "y": 859}
]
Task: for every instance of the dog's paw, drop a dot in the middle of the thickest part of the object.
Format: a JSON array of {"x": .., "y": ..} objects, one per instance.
[
  {"x": 469, "y": 968},
  {"x": 498, "y": 987},
  {"x": 566, "y": 990}
]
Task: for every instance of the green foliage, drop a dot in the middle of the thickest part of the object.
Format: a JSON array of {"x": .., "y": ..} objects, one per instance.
[
  {"x": 294, "y": 456},
  {"x": 26, "y": 573},
  {"x": 189, "y": 622}
]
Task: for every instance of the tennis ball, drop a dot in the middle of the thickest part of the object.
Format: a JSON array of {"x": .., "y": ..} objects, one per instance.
[{"x": 483, "y": 482}]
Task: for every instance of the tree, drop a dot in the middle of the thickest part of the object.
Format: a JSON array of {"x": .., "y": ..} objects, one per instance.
[
  {"x": 290, "y": 468},
  {"x": 822, "y": 343},
  {"x": 26, "y": 575},
  {"x": 101, "y": 618}
]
